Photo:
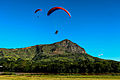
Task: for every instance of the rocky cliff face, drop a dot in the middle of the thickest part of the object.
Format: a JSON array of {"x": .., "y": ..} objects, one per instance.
[{"x": 67, "y": 46}]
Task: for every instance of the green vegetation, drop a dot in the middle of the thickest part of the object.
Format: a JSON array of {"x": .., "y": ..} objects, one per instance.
[
  {"x": 59, "y": 64},
  {"x": 61, "y": 57}
]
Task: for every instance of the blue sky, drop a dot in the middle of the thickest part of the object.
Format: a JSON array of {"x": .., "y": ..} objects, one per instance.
[{"x": 94, "y": 25}]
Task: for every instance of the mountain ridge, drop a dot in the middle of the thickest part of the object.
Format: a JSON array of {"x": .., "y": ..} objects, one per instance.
[
  {"x": 63, "y": 41},
  {"x": 64, "y": 47}
]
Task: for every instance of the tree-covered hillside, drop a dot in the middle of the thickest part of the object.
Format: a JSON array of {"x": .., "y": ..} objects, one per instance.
[{"x": 60, "y": 57}]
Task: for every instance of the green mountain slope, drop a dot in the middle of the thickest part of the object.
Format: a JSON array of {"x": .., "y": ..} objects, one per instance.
[
  {"x": 65, "y": 48},
  {"x": 60, "y": 57}
]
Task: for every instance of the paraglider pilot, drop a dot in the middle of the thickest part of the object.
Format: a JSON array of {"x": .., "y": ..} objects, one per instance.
[{"x": 56, "y": 32}]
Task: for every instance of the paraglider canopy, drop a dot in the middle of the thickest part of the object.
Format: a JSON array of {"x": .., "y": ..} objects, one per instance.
[
  {"x": 38, "y": 10},
  {"x": 57, "y": 8}
]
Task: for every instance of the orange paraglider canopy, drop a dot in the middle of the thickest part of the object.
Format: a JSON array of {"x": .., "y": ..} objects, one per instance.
[
  {"x": 57, "y": 8},
  {"x": 38, "y": 10}
]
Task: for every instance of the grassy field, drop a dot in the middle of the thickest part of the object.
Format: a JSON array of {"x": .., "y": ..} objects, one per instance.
[{"x": 59, "y": 77}]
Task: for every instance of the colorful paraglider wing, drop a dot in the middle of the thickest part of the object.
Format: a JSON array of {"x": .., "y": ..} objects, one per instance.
[
  {"x": 38, "y": 10},
  {"x": 57, "y": 8}
]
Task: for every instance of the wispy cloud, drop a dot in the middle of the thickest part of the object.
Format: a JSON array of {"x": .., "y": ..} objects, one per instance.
[{"x": 100, "y": 54}]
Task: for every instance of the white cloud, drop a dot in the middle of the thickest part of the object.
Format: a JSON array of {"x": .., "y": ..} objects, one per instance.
[{"x": 100, "y": 54}]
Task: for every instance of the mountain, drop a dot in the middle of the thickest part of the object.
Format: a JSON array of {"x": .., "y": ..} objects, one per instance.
[
  {"x": 60, "y": 57},
  {"x": 64, "y": 48}
]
